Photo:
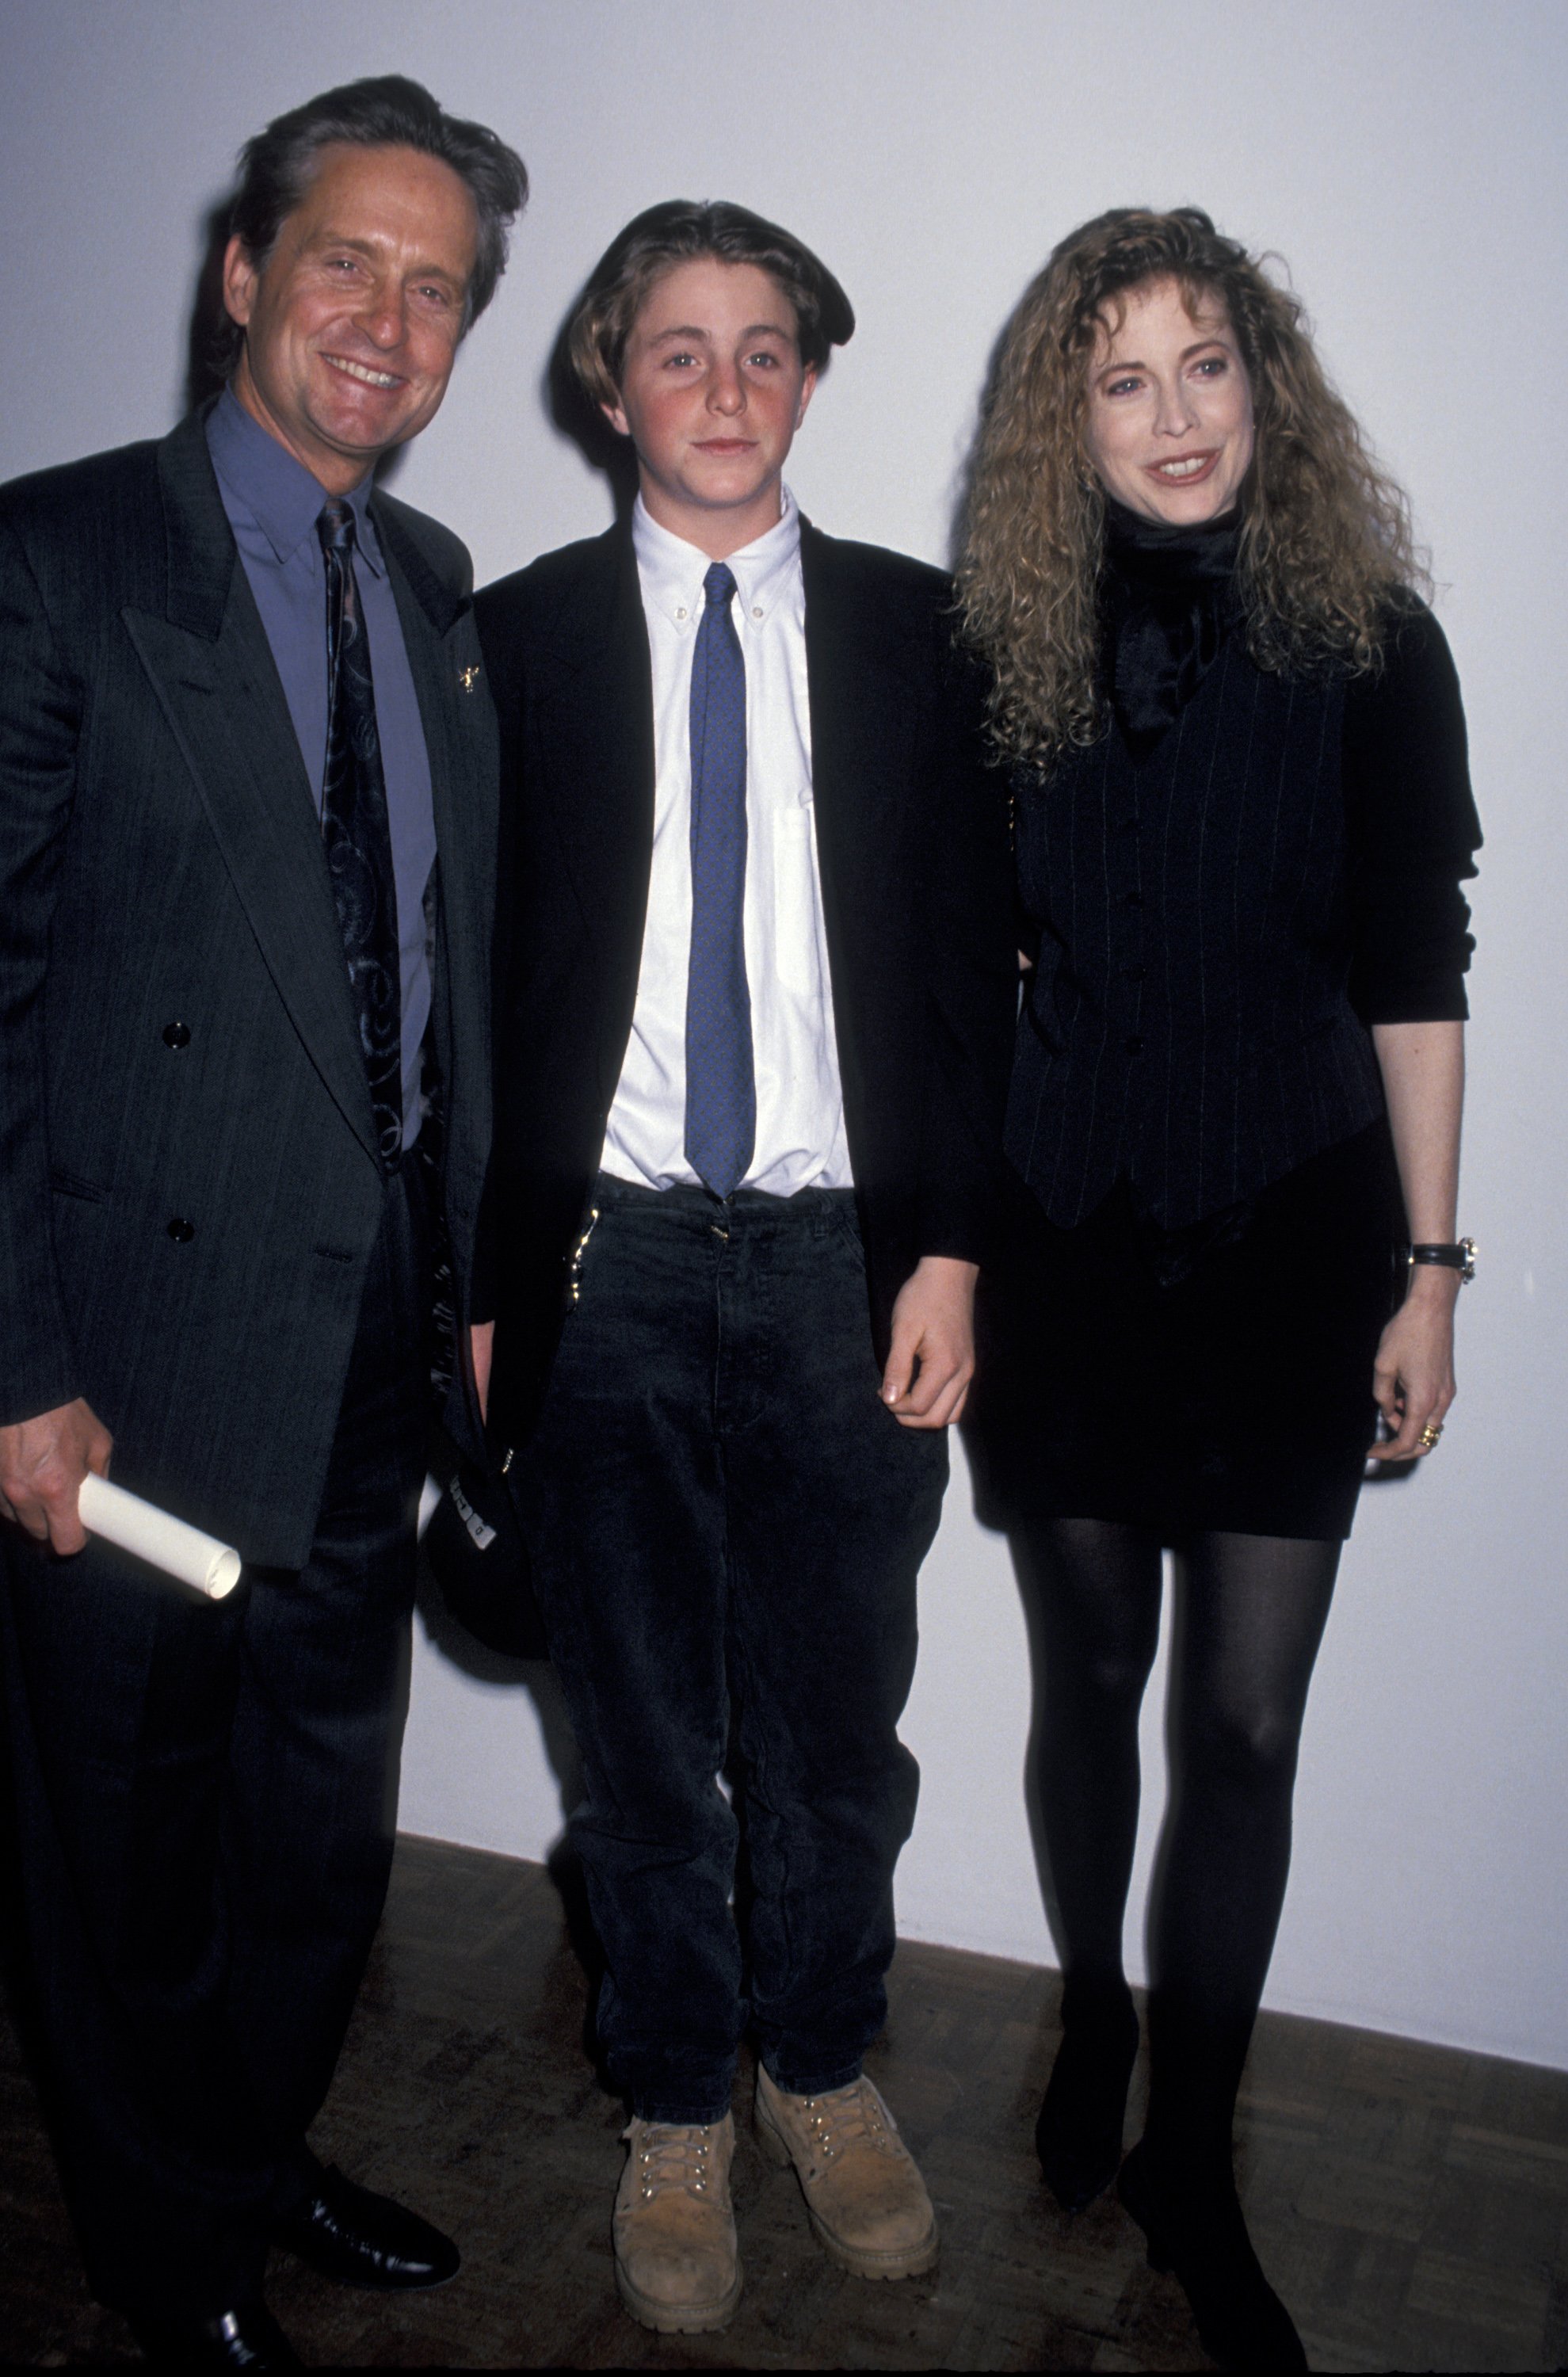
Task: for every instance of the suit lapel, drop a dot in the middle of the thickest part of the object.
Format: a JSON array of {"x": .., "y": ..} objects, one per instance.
[
  {"x": 595, "y": 708},
  {"x": 461, "y": 744},
  {"x": 213, "y": 672},
  {"x": 869, "y": 701}
]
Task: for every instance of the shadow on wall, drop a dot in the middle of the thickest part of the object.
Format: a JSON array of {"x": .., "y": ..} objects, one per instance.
[
  {"x": 576, "y": 416},
  {"x": 958, "y": 529},
  {"x": 206, "y": 366},
  {"x": 536, "y": 1678}
]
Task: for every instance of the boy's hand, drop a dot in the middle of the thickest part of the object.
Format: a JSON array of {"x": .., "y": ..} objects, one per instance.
[
  {"x": 932, "y": 1358},
  {"x": 481, "y": 1338}
]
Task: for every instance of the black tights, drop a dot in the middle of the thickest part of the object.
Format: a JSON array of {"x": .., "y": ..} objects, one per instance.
[{"x": 1249, "y": 1615}]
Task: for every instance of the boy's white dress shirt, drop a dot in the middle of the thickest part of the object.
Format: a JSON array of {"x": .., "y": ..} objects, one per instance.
[{"x": 800, "y": 1138}]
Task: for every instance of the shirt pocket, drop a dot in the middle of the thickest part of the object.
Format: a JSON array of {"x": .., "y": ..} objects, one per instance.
[{"x": 797, "y": 902}]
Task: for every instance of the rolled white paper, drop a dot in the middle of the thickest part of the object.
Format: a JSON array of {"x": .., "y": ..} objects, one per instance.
[{"x": 164, "y": 1542}]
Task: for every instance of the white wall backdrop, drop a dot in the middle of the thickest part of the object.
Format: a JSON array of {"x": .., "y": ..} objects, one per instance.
[{"x": 1407, "y": 156}]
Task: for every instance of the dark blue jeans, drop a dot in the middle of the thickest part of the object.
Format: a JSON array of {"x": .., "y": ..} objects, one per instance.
[{"x": 726, "y": 1522}]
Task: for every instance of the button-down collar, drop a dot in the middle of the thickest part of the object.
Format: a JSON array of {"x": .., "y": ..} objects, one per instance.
[
  {"x": 672, "y": 570},
  {"x": 282, "y": 498}
]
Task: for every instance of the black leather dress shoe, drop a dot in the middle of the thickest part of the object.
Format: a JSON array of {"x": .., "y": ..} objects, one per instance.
[
  {"x": 250, "y": 2339},
  {"x": 366, "y": 2240}
]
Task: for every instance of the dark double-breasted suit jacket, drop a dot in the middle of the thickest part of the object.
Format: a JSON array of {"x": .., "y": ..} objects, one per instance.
[
  {"x": 189, "y": 1188},
  {"x": 912, "y": 841}
]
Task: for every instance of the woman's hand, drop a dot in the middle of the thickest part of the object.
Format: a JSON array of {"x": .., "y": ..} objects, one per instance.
[
  {"x": 1413, "y": 1375},
  {"x": 1423, "y": 1078},
  {"x": 933, "y": 1327}
]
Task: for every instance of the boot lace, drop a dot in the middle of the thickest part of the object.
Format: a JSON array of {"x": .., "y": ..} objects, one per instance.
[
  {"x": 673, "y": 2154},
  {"x": 847, "y": 2116}
]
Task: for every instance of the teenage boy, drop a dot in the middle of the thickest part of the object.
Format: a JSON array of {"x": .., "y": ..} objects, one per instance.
[{"x": 752, "y": 1048}]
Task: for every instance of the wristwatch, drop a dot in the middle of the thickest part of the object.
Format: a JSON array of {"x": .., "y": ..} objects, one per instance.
[{"x": 1460, "y": 1257}]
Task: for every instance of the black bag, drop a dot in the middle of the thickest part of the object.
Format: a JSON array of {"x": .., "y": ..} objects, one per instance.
[{"x": 477, "y": 1550}]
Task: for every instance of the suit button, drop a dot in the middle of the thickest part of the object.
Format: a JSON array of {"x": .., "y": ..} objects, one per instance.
[
  {"x": 176, "y": 1036},
  {"x": 1133, "y": 973},
  {"x": 1134, "y": 1044},
  {"x": 1133, "y": 900},
  {"x": 182, "y": 1231}
]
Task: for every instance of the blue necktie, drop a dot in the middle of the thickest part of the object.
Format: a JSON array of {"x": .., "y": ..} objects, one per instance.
[
  {"x": 721, "y": 1090},
  {"x": 357, "y": 836}
]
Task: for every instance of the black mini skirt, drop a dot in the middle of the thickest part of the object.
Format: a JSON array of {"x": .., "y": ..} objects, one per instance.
[{"x": 1218, "y": 1376}]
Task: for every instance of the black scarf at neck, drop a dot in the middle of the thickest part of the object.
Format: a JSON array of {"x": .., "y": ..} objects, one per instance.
[{"x": 1170, "y": 599}]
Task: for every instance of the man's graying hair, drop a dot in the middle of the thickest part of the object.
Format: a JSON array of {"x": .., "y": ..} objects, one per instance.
[{"x": 381, "y": 112}]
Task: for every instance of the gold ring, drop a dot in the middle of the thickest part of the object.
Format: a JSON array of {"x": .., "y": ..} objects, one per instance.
[{"x": 1428, "y": 1435}]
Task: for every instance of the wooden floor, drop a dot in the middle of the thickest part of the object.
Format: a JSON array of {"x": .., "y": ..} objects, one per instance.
[{"x": 1410, "y": 2203}]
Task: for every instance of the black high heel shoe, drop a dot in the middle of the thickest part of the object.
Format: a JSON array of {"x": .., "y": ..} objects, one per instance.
[
  {"x": 1202, "y": 2238},
  {"x": 1078, "y": 2134}
]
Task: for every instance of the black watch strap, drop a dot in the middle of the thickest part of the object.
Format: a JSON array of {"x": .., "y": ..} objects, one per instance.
[{"x": 1459, "y": 1257}]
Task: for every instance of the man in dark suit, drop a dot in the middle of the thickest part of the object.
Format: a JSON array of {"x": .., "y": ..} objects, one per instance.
[
  {"x": 752, "y": 1056},
  {"x": 247, "y": 833}
]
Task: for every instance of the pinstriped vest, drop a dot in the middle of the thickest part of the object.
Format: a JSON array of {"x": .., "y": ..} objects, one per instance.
[{"x": 1187, "y": 1025}]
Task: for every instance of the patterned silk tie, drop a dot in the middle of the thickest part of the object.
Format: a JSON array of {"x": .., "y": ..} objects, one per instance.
[
  {"x": 356, "y": 835},
  {"x": 721, "y": 1090}
]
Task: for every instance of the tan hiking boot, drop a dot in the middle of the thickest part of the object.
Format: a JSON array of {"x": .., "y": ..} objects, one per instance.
[
  {"x": 866, "y": 2198},
  {"x": 675, "y": 2261}
]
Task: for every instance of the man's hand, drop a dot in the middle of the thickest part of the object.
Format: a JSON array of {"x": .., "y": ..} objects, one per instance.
[
  {"x": 932, "y": 1358},
  {"x": 481, "y": 1339},
  {"x": 43, "y": 1462}
]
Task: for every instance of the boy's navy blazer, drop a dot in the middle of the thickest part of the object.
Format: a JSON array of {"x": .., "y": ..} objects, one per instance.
[
  {"x": 189, "y": 1185},
  {"x": 913, "y": 844}
]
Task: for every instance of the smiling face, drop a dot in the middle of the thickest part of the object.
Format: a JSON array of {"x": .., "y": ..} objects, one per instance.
[
  {"x": 1169, "y": 420},
  {"x": 351, "y": 324},
  {"x": 712, "y": 390}
]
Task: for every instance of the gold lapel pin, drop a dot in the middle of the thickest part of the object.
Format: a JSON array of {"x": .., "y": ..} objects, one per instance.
[{"x": 468, "y": 678}]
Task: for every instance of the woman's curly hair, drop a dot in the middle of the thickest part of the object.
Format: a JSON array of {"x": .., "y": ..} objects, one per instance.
[{"x": 1326, "y": 537}]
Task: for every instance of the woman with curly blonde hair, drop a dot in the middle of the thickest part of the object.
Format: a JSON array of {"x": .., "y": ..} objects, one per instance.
[{"x": 1243, "y": 814}]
